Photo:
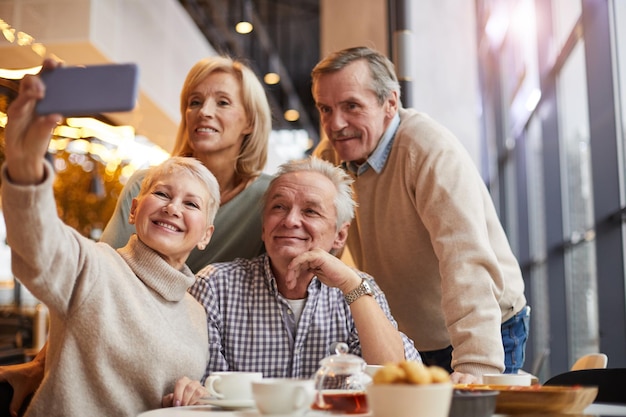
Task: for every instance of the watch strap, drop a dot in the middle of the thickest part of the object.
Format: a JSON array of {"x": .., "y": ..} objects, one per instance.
[{"x": 358, "y": 292}]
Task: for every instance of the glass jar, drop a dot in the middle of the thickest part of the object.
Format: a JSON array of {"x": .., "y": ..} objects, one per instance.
[{"x": 340, "y": 383}]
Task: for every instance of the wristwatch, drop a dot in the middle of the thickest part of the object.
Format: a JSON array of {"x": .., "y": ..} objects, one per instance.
[{"x": 361, "y": 290}]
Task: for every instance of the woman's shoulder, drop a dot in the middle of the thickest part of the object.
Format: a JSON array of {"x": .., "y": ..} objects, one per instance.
[
  {"x": 133, "y": 184},
  {"x": 255, "y": 190},
  {"x": 262, "y": 181}
]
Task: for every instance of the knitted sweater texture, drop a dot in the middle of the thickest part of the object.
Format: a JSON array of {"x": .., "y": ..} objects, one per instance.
[
  {"x": 427, "y": 230},
  {"x": 123, "y": 328}
]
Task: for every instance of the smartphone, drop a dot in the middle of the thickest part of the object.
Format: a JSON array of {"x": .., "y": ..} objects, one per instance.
[{"x": 90, "y": 90}]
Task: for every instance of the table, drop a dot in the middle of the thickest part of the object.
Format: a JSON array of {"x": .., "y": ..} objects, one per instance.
[
  {"x": 211, "y": 411},
  {"x": 594, "y": 410}
]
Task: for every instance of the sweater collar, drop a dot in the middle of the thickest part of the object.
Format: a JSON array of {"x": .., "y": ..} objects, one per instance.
[
  {"x": 378, "y": 158},
  {"x": 149, "y": 267}
]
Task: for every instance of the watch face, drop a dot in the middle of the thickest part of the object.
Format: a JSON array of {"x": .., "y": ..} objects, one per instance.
[{"x": 367, "y": 287}]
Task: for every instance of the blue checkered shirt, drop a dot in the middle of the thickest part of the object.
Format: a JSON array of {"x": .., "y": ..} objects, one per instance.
[{"x": 248, "y": 321}]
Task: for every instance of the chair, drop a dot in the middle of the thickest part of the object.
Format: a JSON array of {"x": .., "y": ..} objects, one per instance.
[
  {"x": 590, "y": 361},
  {"x": 610, "y": 382},
  {"x": 6, "y": 394}
]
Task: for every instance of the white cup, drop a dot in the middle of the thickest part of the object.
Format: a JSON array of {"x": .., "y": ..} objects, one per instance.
[
  {"x": 507, "y": 379},
  {"x": 232, "y": 385},
  {"x": 283, "y": 396}
]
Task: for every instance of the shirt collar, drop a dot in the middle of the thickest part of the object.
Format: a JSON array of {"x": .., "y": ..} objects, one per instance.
[{"x": 378, "y": 158}]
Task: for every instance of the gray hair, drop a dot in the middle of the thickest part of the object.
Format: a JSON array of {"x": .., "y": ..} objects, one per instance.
[
  {"x": 344, "y": 201},
  {"x": 382, "y": 71},
  {"x": 191, "y": 166}
]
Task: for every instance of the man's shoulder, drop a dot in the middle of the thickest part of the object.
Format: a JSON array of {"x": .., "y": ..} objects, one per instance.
[
  {"x": 138, "y": 176},
  {"x": 411, "y": 120},
  {"x": 419, "y": 132},
  {"x": 236, "y": 267}
]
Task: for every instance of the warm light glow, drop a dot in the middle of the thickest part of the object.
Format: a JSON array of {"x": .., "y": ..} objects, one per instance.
[
  {"x": 18, "y": 74},
  {"x": 103, "y": 131},
  {"x": 67, "y": 132},
  {"x": 292, "y": 115},
  {"x": 244, "y": 27},
  {"x": 39, "y": 49},
  {"x": 104, "y": 153},
  {"x": 78, "y": 146},
  {"x": 24, "y": 39},
  {"x": 271, "y": 78},
  {"x": 128, "y": 171},
  {"x": 58, "y": 144},
  {"x": 112, "y": 145},
  {"x": 9, "y": 34}
]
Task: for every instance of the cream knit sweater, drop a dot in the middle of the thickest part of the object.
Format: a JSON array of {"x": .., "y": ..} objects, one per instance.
[
  {"x": 122, "y": 326},
  {"x": 427, "y": 230}
]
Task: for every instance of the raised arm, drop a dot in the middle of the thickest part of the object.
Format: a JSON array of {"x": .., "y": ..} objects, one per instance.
[{"x": 27, "y": 134}]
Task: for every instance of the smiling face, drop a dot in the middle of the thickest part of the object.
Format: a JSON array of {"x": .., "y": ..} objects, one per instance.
[
  {"x": 215, "y": 117},
  {"x": 350, "y": 113},
  {"x": 300, "y": 215},
  {"x": 172, "y": 217}
]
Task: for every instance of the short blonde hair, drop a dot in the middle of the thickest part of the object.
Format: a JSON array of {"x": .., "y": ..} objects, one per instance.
[
  {"x": 253, "y": 156},
  {"x": 189, "y": 166}
]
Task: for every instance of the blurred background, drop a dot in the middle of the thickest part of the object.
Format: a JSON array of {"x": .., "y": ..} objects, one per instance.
[{"x": 534, "y": 89}]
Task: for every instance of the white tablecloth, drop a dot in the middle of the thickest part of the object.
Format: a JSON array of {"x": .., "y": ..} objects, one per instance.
[{"x": 210, "y": 411}]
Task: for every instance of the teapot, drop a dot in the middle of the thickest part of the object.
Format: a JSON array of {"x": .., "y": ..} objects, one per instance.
[{"x": 340, "y": 383}]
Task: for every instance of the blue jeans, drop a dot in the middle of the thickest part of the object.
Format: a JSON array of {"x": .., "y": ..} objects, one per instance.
[{"x": 514, "y": 336}]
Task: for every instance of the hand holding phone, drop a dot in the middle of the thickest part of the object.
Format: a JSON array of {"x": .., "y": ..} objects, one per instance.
[{"x": 87, "y": 91}]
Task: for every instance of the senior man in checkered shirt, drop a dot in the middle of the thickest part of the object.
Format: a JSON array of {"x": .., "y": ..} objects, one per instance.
[{"x": 282, "y": 312}]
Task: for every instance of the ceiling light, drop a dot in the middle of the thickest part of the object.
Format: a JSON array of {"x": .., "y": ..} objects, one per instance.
[
  {"x": 271, "y": 78},
  {"x": 244, "y": 26},
  {"x": 291, "y": 115}
]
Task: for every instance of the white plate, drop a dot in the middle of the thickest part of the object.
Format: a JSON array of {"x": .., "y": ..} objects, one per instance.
[{"x": 228, "y": 404}]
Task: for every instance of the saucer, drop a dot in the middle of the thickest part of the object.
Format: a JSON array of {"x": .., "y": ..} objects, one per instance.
[{"x": 228, "y": 404}]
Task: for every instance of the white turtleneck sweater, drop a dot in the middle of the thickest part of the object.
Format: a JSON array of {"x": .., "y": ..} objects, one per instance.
[{"x": 123, "y": 328}]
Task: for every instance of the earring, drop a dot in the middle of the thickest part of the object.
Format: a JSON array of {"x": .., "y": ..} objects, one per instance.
[{"x": 201, "y": 246}]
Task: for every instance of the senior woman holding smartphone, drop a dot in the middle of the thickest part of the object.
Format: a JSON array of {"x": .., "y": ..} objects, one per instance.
[
  {"x": 225, "y": 123},
  {"x": 104, "y": 339}
]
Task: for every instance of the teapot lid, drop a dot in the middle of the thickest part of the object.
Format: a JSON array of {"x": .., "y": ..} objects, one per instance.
[{"x": 342, "y": 358}]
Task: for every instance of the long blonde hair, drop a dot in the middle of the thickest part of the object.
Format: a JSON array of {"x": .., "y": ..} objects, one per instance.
[{"x": 253, "y": 156}]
